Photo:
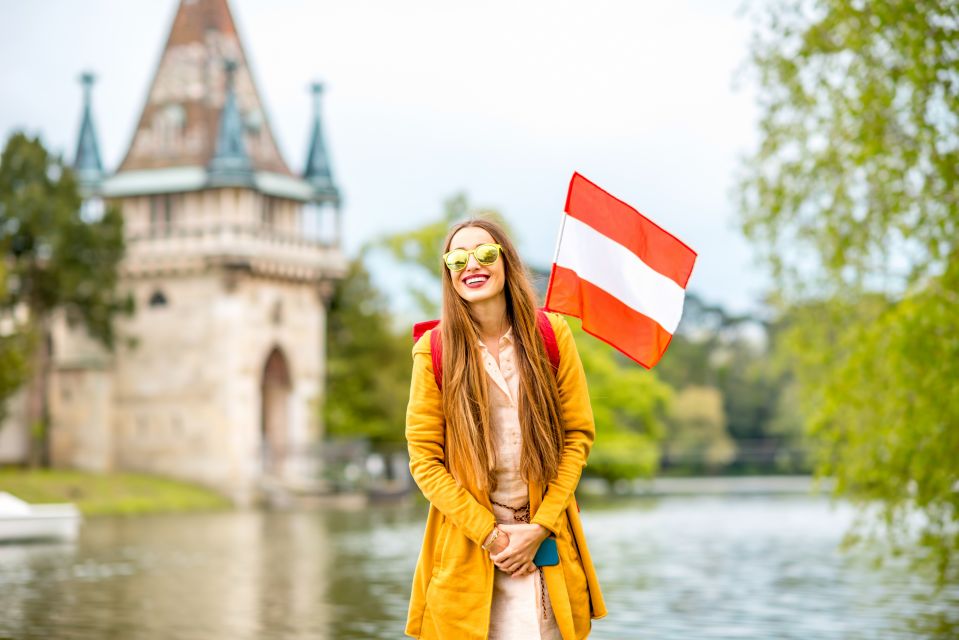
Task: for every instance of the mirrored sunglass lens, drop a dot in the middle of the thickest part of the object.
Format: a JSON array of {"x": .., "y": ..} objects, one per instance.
[
  {"x": 486, "y": 253},
  {"x": 456, "y": 260}
]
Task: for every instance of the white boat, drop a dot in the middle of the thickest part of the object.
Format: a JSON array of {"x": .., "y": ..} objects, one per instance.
[{"x": 20, "y": 520}]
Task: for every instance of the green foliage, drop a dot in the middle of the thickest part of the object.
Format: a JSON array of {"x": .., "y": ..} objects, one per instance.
[
  {"x": 853, "y": 198},
  {"x": 14, "y": 346},
  {"x": 368, "y": 365},
  {"x": 886, "y": 417},
  {"x": 13, "y": 365},
  {"x": 731, "y": 354},
  {"x": 422, "y": 248},
  {"x": 53, "y": 260},
  {"x": 859, "y": 154},
  {"x": 628, "y": 406},
  {"x": 697, "y": 439}
]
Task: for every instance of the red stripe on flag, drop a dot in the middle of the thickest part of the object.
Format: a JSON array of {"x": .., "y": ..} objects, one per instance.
[
  {"x": 605, "y": 317},
  {"x": 618, "y": 221}
]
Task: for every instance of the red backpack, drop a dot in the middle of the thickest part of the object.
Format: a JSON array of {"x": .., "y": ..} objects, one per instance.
[{"x": 436, "y": 343}]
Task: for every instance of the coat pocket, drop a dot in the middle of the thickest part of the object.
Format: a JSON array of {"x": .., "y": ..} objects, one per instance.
[
  {"x": 566, "y": 537},
  {"x": 439, "y": 545},
  {"x": 454, "y": 551}
]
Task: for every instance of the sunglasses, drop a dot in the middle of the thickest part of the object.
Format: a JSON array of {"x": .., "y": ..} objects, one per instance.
[{"x": 485, "y": 254}]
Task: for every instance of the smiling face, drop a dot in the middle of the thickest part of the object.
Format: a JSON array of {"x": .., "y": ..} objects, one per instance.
[{"x": 477, "y": 282}]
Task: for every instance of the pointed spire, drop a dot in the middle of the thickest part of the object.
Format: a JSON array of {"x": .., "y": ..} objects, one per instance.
[
  {"x": 87, "y": 164},
  {"x": 230, "y": 163},
  {"x": 180, "y": 121},
  {"x": 317, "y": 170}
]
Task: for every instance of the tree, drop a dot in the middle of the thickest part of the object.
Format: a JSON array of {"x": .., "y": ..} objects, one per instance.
[
  {"x": 853, "y": 199},
  {"x": 854, "y": 182},
  {"x": 368, "y": 365},
  {"x": 733, "y": 354},
  {"x": 629, "y": 404},
  {"x": 14, "y": 347},
  {"x": 697, "y": 439},
  {"x": 54, "y": 260}
]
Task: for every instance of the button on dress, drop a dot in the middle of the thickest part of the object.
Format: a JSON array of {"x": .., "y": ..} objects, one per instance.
[{"x": 517, "y": 610}]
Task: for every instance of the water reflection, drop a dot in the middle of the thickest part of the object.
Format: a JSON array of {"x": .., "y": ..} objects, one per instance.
[
  {"x": 239, "y": 575},
  {"x": 749, "y": 567},
  {"x": 683, "y": 567}
]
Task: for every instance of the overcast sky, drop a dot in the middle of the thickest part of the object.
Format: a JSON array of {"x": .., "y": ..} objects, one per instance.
[{"x": 501, "y": 99}]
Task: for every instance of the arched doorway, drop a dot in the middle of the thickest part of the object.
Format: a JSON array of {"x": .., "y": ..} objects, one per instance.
[{"x": 274, "y": 417}]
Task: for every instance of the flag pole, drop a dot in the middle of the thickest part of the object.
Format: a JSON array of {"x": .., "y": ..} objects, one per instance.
[{"x": 559, "y": 238}]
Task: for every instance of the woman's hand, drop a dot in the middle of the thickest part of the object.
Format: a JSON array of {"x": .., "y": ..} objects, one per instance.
[
  {"x": 525, "y": 570},
  {"x": 501, "y": 542},
  {"x": 524, "y": 539}
]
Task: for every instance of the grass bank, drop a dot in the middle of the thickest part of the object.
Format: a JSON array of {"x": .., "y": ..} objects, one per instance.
[{"x": 109, "y": 493}]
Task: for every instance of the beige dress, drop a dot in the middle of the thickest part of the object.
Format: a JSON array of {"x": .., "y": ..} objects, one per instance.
[{"x": 517, "y": 610}]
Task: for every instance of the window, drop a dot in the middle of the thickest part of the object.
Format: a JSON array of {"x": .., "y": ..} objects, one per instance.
[
  {"x": 268, "y": 212},
  {"x": 158, "y": 299},
  {"x": 161, "y": 213}
]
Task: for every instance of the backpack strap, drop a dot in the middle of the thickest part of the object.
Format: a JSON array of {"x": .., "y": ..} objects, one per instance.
[
  {"x": 436, "y": 353},
  {"x": 549, "y": 338},
  {"x": 436, "y": 343}
]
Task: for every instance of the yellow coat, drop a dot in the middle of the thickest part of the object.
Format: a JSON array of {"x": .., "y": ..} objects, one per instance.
[{"x": 453, "y": 582}]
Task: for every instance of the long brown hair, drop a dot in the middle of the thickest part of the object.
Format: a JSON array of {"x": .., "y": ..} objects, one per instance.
[{"x": 470, "y": 455}]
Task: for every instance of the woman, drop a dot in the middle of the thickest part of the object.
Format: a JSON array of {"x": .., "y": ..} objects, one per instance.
[{"x": 497, "y": 444}]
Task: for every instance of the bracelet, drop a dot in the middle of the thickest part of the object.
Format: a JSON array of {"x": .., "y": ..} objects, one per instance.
[{"x": 496, "y": 532}]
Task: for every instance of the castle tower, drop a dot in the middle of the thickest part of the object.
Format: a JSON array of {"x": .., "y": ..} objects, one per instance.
[{"x": 224, "y": 382}]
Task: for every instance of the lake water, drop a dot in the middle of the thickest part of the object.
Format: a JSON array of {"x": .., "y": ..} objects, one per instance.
[{"x": 671, "y": 568}]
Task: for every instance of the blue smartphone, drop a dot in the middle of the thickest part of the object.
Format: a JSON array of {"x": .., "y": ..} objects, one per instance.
[{"x": 546, "y": 555}]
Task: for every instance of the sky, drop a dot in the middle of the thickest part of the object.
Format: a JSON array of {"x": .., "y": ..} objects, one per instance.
[{"x": 424, "y": 99}]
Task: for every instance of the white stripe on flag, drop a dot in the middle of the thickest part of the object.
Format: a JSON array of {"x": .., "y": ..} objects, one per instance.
[{"x": 618, "y": 271}]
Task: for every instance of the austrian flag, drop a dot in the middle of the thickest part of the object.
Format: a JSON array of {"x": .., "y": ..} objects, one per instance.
[{"x": 619, "y": 272}]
